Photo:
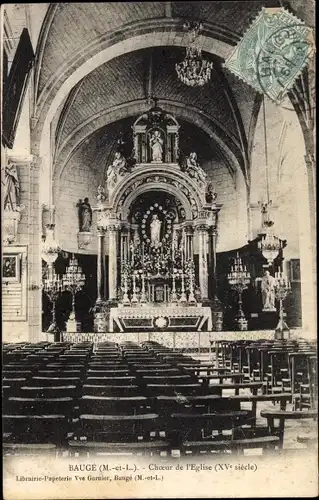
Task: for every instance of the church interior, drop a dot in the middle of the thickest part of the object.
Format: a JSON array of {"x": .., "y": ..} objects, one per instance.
[{"x": 158, "y": 235}]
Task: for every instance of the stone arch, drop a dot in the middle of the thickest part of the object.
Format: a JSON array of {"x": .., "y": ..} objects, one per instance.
[{"x": 156, "y": 187}]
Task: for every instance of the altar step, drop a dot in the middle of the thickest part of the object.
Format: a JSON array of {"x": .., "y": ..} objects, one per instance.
[{"x": 179, "y": 340}]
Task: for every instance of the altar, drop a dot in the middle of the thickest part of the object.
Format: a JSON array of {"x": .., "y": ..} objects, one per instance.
[
  {"x": 157, "y": 216},
  {"x": 157, "y": 318}
]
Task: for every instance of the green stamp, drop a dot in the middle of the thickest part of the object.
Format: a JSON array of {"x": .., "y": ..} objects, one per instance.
[{"x": 272, "y": 53}]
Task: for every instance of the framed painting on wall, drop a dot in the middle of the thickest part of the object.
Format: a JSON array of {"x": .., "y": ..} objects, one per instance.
[
  {"x": 11, "y": 268},
  {"x": 294, "y": 270}
]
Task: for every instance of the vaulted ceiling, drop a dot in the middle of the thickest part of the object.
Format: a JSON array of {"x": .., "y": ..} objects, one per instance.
[{"x": 118, "y": 89}]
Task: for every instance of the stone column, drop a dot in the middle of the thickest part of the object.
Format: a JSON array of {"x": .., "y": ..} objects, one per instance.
[
  {"x": 101, "y": 283},
  {"x": 216, "y": 305},
  {"x": 203, "y": 261},
  {"x": 189, "y": 252},
  {"x": 113, "y": 254}
]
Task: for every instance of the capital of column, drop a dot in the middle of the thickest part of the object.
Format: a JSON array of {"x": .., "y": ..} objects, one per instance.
[
  {"x": 113, "y": 227},
  {"x": 202, "y": 228},
  {"x": 101, "y": 231},
  {"x": 189, "y": 230}
]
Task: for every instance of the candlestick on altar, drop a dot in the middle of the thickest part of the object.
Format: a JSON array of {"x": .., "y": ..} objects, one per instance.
[
  {"x": 174, "y": 294},
  {"x": 143, "y": 296},
  {"x": 183, "y": 297},
  {"x": 134, "y": 298}
]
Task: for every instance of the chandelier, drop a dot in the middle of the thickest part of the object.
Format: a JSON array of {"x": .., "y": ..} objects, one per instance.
[
  {"x": 50, "y": 248},
  {"x": 194, "y": 70},
  {"x": 270, "y": 245}
]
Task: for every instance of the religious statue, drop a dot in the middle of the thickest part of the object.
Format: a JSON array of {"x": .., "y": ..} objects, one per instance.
[
  {"x": 11, "y": 188},
  {"x": 193, "y": 168},
  {"x": 156, "y": 143},
  {"x": 268, "y": 284},
  {"x": 101, "y": 194},
  {"x": 85, "y": 215},
  {"x": 155, "y": 226},
  {"x": 210, "y": 195},
  {"x": 117, "y": 169}
]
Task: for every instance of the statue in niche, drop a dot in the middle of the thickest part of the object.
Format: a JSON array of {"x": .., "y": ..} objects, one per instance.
[
  {"x": 193, "y": 168},
  {"x": 117, "y": 169},
  {"x": 85, "y": 215},
  {"x": 268, "y": 285},
  {"x": 210, "y": 195},
  {"x": 155, "y": 227},
  {"x": 11, "y": 188},
  {"x": 156, "y": 143}
]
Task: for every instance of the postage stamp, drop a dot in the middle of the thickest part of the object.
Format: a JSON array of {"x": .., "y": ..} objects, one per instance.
[{"x": 273, "y": 52}]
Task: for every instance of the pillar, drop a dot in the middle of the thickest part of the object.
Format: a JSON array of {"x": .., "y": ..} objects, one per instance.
[
  {"x": 101, "y": 283},
  {"x": 203, "y": 261},
  {"x": 113, "y": 255},
  {"x": 307, "y": 247},
  {"x": 189, "y": 252}
]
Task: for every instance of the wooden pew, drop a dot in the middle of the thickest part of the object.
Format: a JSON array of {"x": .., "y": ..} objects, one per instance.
[{"x": 282, "y": 416}]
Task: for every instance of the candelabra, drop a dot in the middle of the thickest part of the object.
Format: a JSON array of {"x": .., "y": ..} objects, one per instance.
[
  {"x": 174, "y": 294},
  {"x": 73, "y": 281},
  {"x": 126, "y": 270},
  {"x": 52, "y": 287},
  {"x": 282, "y": 289},
  {"x": 239, "y": 279},
  {"x": 191, "y": 278}
]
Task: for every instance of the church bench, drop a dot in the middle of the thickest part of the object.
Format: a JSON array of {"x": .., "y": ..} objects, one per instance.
[
  {"x": 59, "y": 372},
  {"x": 282, "y": 416},
  {"x": 16, "y": 373},
  {"x": 207, "y": 369},
  {"x": 110, "y": 390},
  {"x": 172, "y": 389},
  {"x": 110, "y": 380},
  {"x": 107, "y": 372},
  {"x": 108, "y": 365},
  {"x": 219, "y": 388},
  {"x": 31, "y": 406},
  {"x": 234, "y": 377},
  {"x": 51, "y": 428},
  {"x": 115, "y": 428},
  {"x": 100, "y": 448},
  {"x": 55, "y": 380},
  {"x": 48, "y": 391},
  {"x": 113, "y": 405},
  {"x": 298, "y": 368},
  {"x": 168, "y": 379},
  {"x": 266, "y": 443},
  {"x": 156, "y": 371},
  {"x": 29, "y": 449},
  {"x": 194, "y": 426},
  {"x": 143, "y": 365}
]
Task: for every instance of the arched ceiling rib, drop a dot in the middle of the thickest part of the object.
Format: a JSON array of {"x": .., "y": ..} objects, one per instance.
[{"x": 77, "y": 25}]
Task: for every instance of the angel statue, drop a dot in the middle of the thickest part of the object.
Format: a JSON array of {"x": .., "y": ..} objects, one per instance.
[
  {"x": 117, "y": 169},
  {"x": 193, "y": 168}
]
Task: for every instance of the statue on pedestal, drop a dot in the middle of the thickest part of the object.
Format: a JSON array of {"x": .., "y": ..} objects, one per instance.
[
  {"x": 193, "y": 168},
  {"x": 11, "y": 188},
  {"x": 155, "y": 227},
  {"x": 268, "y": 284},
  {"x": 210, "y": 195},
  {"x": 85, "y": 215},
  {"x": 156, "y": 143}
]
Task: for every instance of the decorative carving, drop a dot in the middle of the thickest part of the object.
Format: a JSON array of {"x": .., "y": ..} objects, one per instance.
[
  {"x": 116, "y": 171},
  {"x": 10, "y": 226},
  {"x": 84, "y": 239}
]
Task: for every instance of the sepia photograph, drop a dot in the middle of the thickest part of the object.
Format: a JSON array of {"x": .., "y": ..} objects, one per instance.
[{"x": 159, "y": 279}]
